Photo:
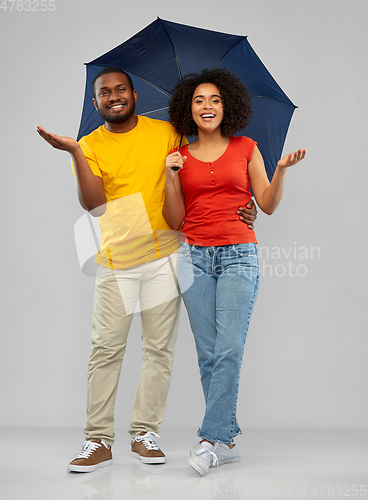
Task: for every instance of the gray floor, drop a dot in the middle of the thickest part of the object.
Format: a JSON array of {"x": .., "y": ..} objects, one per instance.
[{"x": 276, "y": 463}]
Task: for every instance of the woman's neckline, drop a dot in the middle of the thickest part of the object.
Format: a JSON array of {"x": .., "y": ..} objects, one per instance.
[{"x": 213, "y": 161}]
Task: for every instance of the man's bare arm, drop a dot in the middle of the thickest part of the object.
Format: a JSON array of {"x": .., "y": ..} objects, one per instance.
[{"x": 91, "y": 192}]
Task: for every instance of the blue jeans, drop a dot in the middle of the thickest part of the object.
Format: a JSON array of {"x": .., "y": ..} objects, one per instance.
[{"x": 219, "y": 286}]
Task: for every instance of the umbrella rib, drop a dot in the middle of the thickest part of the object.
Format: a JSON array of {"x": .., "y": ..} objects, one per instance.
[
  {"x": 172, "y": 45},
  {"x": 258, "y": 96},
  {"x": 271, "y": 99},
  {"x": 163, "y": 91},
  {"x": 231, "y": 48},
  {"x": 154, "y": 111}
]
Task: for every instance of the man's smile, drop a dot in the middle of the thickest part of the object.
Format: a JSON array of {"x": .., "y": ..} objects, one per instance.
[{"x": 117, "y": 106}]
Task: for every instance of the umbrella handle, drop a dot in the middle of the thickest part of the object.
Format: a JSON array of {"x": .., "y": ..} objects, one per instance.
[{"x": 181, "y": 140}]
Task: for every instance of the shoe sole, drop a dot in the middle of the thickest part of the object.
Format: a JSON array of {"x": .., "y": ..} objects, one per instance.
[
  {"x": 149, "y": 460},
  {"x": 196, "y": 467},
  {"x": 88, "y": 468}
]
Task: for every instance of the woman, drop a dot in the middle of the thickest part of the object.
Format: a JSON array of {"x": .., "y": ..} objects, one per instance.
[{"x": 218, "y": 269}]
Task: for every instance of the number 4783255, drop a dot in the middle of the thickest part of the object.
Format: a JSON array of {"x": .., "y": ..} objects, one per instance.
[{"x": 28, "y": 5}]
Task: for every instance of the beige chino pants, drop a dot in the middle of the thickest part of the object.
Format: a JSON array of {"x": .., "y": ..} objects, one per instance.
[{"x": 116, "y": 296}]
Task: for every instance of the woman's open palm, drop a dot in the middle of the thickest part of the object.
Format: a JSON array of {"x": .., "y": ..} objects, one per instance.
[{"x": 292, "y": 159}]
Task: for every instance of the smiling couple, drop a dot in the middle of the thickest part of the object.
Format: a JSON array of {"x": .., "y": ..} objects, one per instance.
[{"x": 204, "y": 191}]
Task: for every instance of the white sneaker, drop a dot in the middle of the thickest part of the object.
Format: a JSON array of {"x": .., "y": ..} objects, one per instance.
[
  {"x": 203, "y": 457},
  {"x": 224, "y": 454}
]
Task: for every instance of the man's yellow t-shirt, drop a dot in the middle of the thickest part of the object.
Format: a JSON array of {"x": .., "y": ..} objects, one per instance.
[{"x": 132, "y": 167}]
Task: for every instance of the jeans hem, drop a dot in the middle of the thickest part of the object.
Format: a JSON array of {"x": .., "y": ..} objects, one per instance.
[{"x": 219, "y": 440}]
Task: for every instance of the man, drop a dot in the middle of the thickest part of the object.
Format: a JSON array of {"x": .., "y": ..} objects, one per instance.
[{"x": 120, "y": 172}]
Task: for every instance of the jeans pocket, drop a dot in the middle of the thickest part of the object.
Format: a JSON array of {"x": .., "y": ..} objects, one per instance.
[{"x": 245, "y": 250}]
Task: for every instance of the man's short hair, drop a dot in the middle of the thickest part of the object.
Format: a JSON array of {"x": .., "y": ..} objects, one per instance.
[{"x": 106, "y": 71}]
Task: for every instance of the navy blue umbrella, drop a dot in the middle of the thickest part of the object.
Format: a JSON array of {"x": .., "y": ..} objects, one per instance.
[{"x": 159, "y": 55}]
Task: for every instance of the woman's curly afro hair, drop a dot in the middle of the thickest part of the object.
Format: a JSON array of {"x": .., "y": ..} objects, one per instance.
[{"x": 235, "y": 99}]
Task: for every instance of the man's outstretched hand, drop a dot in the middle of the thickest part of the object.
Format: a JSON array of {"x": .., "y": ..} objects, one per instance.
[
  {"x": 57, "y": 142},
  {"x": 248, "y": 215}
]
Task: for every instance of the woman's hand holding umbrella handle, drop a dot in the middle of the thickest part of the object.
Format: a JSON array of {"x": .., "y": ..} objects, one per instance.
[
  {"x": 174, "y": 162},
  {"x": 174, "y": 207}
]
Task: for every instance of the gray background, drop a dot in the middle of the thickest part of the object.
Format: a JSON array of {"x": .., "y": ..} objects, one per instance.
[{"x": 305, "y": 358}]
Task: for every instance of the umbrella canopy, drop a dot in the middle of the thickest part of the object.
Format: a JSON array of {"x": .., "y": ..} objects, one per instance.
[{"x": 159, "y": 55}]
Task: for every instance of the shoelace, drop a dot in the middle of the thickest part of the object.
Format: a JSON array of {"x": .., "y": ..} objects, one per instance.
[
  {"x": 208, "y": 454},
  {"x": 149, "y": 440},
  {"x": 88, "y": 448}
]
